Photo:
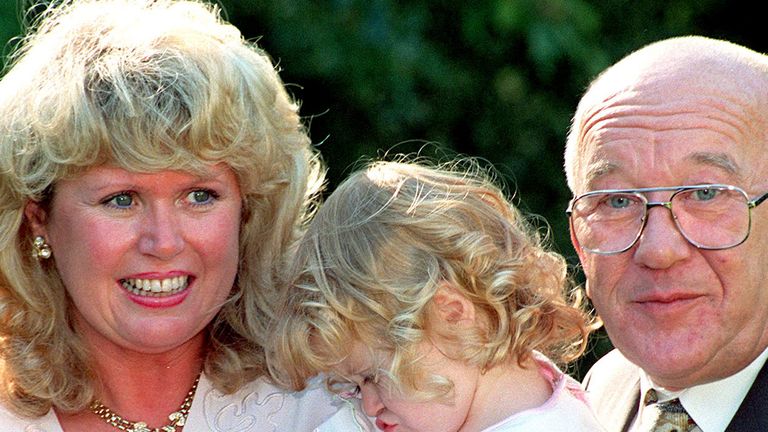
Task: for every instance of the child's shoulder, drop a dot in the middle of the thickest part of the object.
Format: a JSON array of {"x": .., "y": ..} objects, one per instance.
[
  {"x": 560, "y": 382},
  {"x": 566, "y": 410}
]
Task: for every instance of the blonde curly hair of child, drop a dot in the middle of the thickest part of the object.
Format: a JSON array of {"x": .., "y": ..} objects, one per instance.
[{"x": 378, "y": 250}]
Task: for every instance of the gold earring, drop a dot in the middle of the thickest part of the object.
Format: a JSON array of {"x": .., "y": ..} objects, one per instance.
[{"x": 40, "y": 249}]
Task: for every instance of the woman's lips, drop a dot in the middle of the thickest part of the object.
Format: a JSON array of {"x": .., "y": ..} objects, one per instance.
[
  {"x": 157, "y": 292},
  {"x": 159, "y": 287}
]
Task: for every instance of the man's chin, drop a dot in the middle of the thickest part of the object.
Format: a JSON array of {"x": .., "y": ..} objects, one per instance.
[{"x": 671, "y": 368}]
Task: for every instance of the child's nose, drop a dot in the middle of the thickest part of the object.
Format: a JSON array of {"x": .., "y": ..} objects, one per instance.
[{"x": 372, "y": 404}]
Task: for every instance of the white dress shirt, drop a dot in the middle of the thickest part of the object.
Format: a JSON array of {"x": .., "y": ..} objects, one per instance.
[{"x": 711, "y": 405}]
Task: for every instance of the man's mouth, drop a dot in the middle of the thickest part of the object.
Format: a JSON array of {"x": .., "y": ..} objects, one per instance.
[{"x": 155, "y": 287}]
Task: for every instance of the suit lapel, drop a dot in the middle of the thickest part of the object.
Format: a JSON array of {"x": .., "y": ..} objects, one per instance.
[
  {"x": 613, "y": 386},
  {"x": 626, "y": 399},
  {"x": 752, "y": 415}
]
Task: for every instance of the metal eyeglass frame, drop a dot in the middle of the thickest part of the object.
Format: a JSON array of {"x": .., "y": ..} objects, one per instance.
[{"x": 668, "y": 205}]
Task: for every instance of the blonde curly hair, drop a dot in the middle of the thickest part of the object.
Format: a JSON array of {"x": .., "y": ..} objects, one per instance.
[
  {"x": 146, "y": 85},
  {"x": 376, "y": 254}
]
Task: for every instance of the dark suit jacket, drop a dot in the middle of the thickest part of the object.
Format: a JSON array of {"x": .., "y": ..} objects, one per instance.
[{"x": 613, "y": 386}]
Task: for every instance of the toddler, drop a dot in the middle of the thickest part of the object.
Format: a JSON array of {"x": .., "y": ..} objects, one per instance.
[{"x": 423, "y": 291}]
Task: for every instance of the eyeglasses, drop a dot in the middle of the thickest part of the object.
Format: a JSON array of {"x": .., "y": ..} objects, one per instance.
[{"x": 711, "y": 216}]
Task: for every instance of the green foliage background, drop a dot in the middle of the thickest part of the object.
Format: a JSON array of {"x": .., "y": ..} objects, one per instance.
[{"x": 497, "y": 79}]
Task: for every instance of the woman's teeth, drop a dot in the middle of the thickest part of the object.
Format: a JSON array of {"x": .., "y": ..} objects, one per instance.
[{"x": 155, "y": 287}]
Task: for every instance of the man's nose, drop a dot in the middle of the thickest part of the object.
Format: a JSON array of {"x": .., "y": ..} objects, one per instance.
[{"x": 661, "y": 244}]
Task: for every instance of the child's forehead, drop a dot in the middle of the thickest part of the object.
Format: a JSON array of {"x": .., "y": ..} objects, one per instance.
[{"x": 362, "y": 358}]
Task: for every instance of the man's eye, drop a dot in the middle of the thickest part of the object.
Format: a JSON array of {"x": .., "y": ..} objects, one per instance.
[
  {"x": 705, "y": 194},
  {"x": 618, "y": 201}
]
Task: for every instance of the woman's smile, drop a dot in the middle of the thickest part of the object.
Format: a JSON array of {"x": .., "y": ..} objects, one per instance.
[{"x": 155, "y": 287}]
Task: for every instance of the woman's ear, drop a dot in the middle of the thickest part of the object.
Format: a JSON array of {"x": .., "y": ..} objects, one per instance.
[
  {"x": 36, "y": 217},
  {"x": 452, "y": 306}
]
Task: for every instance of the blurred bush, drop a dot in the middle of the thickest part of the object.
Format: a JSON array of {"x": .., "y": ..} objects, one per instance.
[{"x": 496, "y": 79}]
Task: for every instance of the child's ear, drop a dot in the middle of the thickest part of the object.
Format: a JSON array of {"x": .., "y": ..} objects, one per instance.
[{"x": 452, "y": 306}]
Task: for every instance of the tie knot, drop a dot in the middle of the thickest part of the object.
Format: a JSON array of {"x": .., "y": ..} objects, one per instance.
[
  {"x": 650, "y": 397},
  {"x": 670, "y": 415},
  {"x": 673, "y": 406}
]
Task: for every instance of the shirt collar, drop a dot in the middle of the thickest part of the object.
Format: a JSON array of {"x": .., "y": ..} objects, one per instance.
[{"x": 710, "y": 414}]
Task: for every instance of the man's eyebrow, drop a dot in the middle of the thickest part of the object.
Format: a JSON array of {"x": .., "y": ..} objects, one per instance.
[
  {"x": 598, "y": 169},
  {"x": 717, "y": 160}
]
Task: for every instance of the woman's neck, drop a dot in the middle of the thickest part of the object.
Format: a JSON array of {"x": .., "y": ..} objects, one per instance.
[{"x": 141, "y": 386}]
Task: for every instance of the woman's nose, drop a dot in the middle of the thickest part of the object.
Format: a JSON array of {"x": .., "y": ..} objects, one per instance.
[{"x": 161, "y": 233}]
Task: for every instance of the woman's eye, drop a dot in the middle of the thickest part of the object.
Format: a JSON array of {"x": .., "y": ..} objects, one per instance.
[
  {"x": 201, "y": 196},
  {"x": 122, "y": 200}
]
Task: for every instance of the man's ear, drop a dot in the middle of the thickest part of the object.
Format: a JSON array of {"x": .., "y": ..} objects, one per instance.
[
  {"x": 576, "y": 244},
  {"x": 36, "y": 217},
  {"x": 452, "y": 306},
  {"x": 582, "y": 257}
]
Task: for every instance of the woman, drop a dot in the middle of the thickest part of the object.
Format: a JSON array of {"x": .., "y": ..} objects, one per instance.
[{"x": 154, "y": 176}]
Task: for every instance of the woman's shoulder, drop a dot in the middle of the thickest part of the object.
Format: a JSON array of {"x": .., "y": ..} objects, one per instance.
[
  {"x": 258, "y": 406},
  {"x": 11, "y": 422},
  {"x": 261, "y": 406}
]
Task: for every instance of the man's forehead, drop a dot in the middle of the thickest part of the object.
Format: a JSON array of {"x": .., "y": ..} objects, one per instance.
[
  {"x": 603, "y": 164},
  {"x": 632, "y": 130}
]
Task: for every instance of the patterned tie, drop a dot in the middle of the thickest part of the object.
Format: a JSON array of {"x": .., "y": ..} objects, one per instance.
[{"x": 672, "y": 415}]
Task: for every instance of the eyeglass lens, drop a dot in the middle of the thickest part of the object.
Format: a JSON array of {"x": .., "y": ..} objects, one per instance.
[{"x": 709, "y": 218}]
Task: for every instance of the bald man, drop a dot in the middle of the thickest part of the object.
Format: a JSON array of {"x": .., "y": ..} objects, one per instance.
[{"x": 667, "y": 160}]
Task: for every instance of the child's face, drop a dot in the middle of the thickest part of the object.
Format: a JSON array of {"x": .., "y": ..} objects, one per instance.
[{"x": 395, "y": 412}]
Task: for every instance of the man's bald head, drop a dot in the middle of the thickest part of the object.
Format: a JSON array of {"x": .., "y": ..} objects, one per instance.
[{"x": 673, "y": 68}]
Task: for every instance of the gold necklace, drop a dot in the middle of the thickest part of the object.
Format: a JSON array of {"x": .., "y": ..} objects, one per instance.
[{"x": 178, "y": 418}]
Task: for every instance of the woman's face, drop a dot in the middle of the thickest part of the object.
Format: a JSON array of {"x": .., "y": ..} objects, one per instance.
[{"x": 147, "y": 258}]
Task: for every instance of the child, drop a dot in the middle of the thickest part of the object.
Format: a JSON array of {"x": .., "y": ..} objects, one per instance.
[{"x": 427, "y": 292}]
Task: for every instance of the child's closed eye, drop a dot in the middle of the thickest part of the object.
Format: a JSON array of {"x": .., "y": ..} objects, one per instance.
[{"x": 366, "y": 379}]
